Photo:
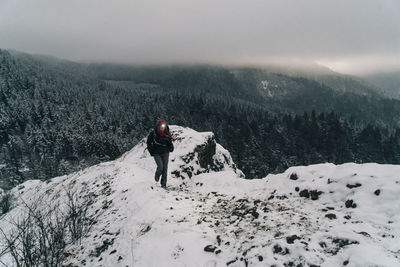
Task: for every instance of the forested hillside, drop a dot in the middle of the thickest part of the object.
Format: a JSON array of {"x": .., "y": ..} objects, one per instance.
[
  {"x": 58, "y": 116},
  {"x": 277, "y": 92}
]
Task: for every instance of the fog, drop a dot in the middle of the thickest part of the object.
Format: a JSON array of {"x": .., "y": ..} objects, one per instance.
[{"x": 356, "y": 36}]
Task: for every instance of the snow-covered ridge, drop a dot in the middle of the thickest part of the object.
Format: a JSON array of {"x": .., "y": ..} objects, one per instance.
[
  {"x": 194, "y": 153},
  {"x": 317, "y": 215}
]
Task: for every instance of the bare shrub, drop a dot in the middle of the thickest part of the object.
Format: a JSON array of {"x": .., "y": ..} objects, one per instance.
[{"x": 40, "y": 235}]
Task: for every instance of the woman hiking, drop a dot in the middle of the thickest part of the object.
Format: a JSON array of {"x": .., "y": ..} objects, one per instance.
[{"x": 159, "y": 144}]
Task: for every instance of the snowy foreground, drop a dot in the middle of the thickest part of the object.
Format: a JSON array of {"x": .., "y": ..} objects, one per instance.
[{"x": 318, "y": 215}]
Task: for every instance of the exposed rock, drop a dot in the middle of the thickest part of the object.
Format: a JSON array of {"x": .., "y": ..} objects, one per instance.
[
  {"x": 364, "y": 234},
  {"x": 294, "y": 176},
  {"x": 230, "y": 262},
  {"x": 340, "y": 243},
  {"x": 210, "y": 248},
  {"x": 331, "y": 216},
  {"x": 291, "y": 239},
  {"x": 350, "y": 204},
  {"x": 353, "y": 185},
  {"x": 277, "y": 249},
  {"x": 98, "y": 250},
  {"x": 304, "y": 193},
  {"x": 315, "y": 194},
  {"x": 377, "y": 192}
]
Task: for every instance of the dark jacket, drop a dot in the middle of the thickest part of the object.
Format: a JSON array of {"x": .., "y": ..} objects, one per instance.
[{"x": 157, "y": 144}]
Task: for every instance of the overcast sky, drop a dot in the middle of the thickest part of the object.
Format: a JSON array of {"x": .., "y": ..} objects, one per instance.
[{"x": 350, "y": 36}]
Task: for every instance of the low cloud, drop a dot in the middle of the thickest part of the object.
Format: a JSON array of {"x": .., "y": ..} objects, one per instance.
[{"x": 346, "y": 35}]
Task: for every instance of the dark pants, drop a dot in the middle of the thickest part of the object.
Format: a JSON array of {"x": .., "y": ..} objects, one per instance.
[{"x": 162, "y": 168}]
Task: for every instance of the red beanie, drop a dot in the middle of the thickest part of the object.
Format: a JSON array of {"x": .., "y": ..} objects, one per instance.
[{"x": 161, "y": 122}]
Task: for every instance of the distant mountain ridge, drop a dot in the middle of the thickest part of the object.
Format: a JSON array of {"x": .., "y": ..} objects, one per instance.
[{"x": 389, "y": 82}]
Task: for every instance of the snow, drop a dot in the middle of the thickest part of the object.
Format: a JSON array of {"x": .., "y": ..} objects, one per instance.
[{"x": 248, "y": 221}]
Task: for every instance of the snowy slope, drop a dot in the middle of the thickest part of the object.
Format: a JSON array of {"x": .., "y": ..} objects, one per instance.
[{"x": 318, "y": 215}]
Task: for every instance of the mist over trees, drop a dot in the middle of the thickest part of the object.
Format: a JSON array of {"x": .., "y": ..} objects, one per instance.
[{"x": 57, "y": 117}]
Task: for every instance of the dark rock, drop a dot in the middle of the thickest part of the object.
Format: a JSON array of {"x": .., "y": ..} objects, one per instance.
[
  {"x": 254, "y": 213},
  {"x": 294, "y": 176},
  {"x": 341, "y": 242},
  {"x": 219, "y": 240},
  {"x": 114, "y": 251},
  {"x": 347, "y": 217},
  {"x": 277, "y": 249},
  {"x": 260, "y": 258},
  {"x": 98, "y": 250},
  {"x": 205, "y": 154},
  {"x": 364, "y": 234},
  {"x": 265, "y": 209},
  {"x": 353, "y": 185},
  {"x": 230, "y": 262},
  {"x": 218, "y": 251},
  {"x": 350, "y": 204},
  {"x": 291, "y": 239},
  {"x": 377, "y": 192},
  {"x": 331, "y": 216},
  {"x": 120, "y": 258},
  {"x": 297, "y": 189},
  {"x": 271, "y": 197},
  {"x": 210, "y": 248},
  {"x": 346, "y": 262},
  {"x": 304, "y": 193},
  {"x": 315, "y": 194}
]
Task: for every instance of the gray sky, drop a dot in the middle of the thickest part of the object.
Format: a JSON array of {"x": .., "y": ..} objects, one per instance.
[{"x": 350, "y": 36}]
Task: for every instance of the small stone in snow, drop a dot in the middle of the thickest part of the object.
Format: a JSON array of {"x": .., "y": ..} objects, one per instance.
[
  {"x": 377, "y": 192},
  {"x": 331, "y": 216},
  {"x": 260, "y": 258},
  {"x": 219, "y": 240},
  {"x": 294, "y": 176},
  {"x": 304, "y": 193},
  {"x": 353, "y": 185},
  {"x": 291, "y": 239},
  {"x": 210, "y": 248},
  {"x": 315, "y": 194},
  {"x": 350, "y": 204}
]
